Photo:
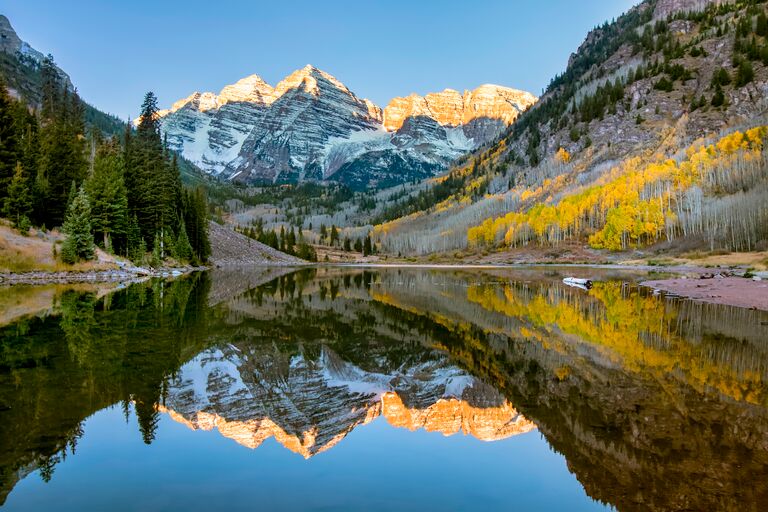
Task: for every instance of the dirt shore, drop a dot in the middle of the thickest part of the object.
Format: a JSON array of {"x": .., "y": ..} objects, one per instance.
[
  {"x": 127, "y": 275},
  {"x": 732, "y": 291}
]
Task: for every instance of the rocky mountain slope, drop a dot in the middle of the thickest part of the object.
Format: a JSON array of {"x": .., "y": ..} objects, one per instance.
[
  {"x": 310, "y": 126},
  {"x": 666, "y": 76},
  {"x": 21, "y": 67},
  {"x": 231, "y": 249}
]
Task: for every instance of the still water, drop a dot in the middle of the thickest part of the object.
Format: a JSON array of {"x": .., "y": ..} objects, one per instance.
[{"x": 380, "y": 389}]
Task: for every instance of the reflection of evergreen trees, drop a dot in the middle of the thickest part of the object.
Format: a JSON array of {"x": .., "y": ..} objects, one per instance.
[{"x": 56, "y": 371}]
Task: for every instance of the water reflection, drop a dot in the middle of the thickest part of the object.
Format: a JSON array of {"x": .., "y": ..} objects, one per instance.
[{"x": 655, "y": 404}]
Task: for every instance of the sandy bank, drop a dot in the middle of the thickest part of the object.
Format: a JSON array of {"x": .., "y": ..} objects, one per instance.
[{"x": 732, "y": 291}]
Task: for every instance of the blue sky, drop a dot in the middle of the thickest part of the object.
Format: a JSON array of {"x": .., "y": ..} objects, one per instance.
[{"x": 117, "y": 50}]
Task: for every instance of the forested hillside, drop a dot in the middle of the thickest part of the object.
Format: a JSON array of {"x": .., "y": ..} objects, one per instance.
[
  {"x": 651, "y": 134},
  {"x": 123, "y": 192}
]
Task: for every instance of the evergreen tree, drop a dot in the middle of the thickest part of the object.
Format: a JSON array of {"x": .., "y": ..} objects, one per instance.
[
  {"x": 157, "y": 251},
  {"x": 152, "y": 181},
  {"x": 183, "y": 249},
  {"x": 334, "y": 235},
  {"x": 108, "y": 196},
  {"x": 718, "y": 99},
  {"x": 367, "y": 246},
  {"x": 9, "y": 143},
  {"x": 290, "y": 241},
  {"x": 62, "y": 143},
  {"x": 745, "y": 74},
  {"x": 77, "y": 226},
  {"x": 347, "y": 245},
  {"x": 136, "y": 247},
  {"x": 18, "y": 204}
]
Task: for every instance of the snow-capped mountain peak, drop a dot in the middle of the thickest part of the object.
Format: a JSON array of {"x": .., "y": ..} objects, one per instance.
[{"x": 311, "y": 126}]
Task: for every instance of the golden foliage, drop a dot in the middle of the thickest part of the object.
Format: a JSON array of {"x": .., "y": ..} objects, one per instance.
[{"x": 632, "y": 205}]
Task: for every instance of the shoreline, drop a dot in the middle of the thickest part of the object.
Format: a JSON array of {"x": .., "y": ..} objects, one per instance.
[
  {"x": 117, "y": 275},
  {"x": 722, "y": 290},
  {"x": 689, "y": 281}
]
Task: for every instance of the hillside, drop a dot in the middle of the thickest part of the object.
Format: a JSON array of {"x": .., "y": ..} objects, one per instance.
[{"x": 655, "y": 108}]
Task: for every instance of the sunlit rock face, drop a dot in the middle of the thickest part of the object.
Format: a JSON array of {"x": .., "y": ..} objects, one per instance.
[
  {"x": 451, "y": 108},
  {"x": 451, "y": 415},
  {"x": 312, "y": 127},
  {"x": 310, "y": 404}
]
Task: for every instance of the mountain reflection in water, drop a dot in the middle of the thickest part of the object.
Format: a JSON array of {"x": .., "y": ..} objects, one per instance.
[{"x": 655, "y": 404}]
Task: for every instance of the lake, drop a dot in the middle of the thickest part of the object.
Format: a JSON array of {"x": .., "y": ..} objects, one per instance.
[{"x": 335, "y": 388}]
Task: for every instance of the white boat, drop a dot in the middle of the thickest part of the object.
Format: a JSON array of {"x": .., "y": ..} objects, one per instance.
[{"x": 577, "y": 282}]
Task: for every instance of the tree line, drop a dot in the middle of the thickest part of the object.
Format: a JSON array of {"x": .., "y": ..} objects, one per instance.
[{"x": 123, "y": 194}]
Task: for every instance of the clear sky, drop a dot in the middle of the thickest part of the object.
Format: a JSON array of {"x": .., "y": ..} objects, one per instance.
[{"x": 116, "y": 50}]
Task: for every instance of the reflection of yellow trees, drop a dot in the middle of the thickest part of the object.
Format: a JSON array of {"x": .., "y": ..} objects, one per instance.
[
  {"x": 634, "y": 203},
  {"x": 631, "y": 330}
]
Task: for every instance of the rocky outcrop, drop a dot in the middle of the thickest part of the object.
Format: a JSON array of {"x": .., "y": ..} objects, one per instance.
[{"x": 312, "y": 127}]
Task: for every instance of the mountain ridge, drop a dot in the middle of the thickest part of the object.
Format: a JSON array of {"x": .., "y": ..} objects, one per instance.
[{"x": 310, "y": 126}]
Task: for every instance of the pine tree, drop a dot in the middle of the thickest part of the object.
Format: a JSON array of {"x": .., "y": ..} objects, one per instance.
[
  {"x": 290, "y": 241},
  {"x": 108, "y": 196},
  {"x": 334, "y": 235},
  {"x": 718, "y": 99},
  {"x": 9, "y": 143},
  {"x": 152, "y": 180},
  {"x": 136, "y": 247},
  {"x": 745, "y": 74},
  {"x": 18, "y": 204},
  {"x": 367, "y": 246},
  {"x": 62, "y": 143},
  {"x": 77, "y": 226},
  {"x": 183, "y": 249},
  {"x": 157, "y": 251}
]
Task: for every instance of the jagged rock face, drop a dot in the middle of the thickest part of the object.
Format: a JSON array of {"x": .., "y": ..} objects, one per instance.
[
  {"x": 450, "y": 108},
  {"x": 9, "y": 40},
  {"x": 11, "y": 43},
  {"x": 312, "y": 127},
  {"x": 664, "y": 8},
  {"x": 309, "y": 405},
  {"x": 311, "y": 108}
]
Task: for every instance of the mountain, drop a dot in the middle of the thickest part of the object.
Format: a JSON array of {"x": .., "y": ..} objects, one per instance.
[
  {"x": 658, "y": 84},
  {"x": 309, "y": 405},
  {"x": 310, "y": 126},
  {"x": 21, "y": 68}
]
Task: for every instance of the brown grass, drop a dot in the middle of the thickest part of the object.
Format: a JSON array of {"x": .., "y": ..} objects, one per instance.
[{"x": 34, "y": 252}]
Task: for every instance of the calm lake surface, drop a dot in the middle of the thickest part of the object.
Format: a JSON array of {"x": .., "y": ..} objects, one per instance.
[{"x": 380, "y": 389}]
